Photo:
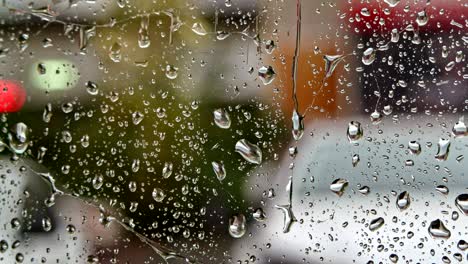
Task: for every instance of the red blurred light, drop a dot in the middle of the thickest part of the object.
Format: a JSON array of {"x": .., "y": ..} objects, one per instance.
[{"x": 12, "y": 96}]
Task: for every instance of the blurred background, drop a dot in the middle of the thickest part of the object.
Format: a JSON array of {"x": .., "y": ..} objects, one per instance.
[{"x": 122, "y": 124}]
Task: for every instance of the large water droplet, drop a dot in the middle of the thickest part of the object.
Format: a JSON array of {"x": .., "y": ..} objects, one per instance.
[
  {"x": 259, "y": 215},
  {"x": 288, "y": 216},
  {"x": 443, "y": 148},
  {"x": 250, "y": 152},
  {"x": 269, "y": 46},
  {"x": 376, "y": 223},
  {"x": 438, "y": 230},
  {"x": 354, "y": 131},
  {"x": 137, "y": 117},
  {"x": 219, "y": 170},
  {"x": 459, "y": 129},
  {"x": 462, "y": 203},
  {"x": 47, "y": 114},
  {"x": 338, "y": 186},
  {"x": 266, "y": 74},
  {"x": 167, "y": 170},
  {"x": 221, "y": 118},
  {"x": 143, "y": 34},
  {"x": 46, "y": 224},
  {"x": 395, "y": 36},
  {"x": 171, "y": 72},
  {"x": 92, "y": 88},
  {"x": 237, "y": 225},
  {"x": 355, "y": 160}
]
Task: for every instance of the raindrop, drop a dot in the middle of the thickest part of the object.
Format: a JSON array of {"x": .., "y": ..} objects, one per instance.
[
  {"x": 403, "y": 200},
  {"x": 3, "y": 246},
  {"x": 158, "y": 195},
  {"x": 222, "y": 35},
  {"x": 221, "y": 118},
  {"x": 171, "y": 72},
  {"x": 354, "y": 131},
  {"x": 250, "y": 152},
  {"x": 237, "y": 225},
  {"x": 376, "y": 117},
  {"x": 355, "y": 160},
  {"x": 338, "y": 186},
  {"x": 47, "y": 114},
  {"x": 198, "y": 29},
  {"x": 259, "y": 214},
  {"x": 137, "y": 117},
  {"x": 459, "y": 129},
  {"x": 297, "y": 125},
  {"x": 395, "y": 36},
  {"x": 92, "y": 88},
  {"x": 331, "y": 61},
  {"x": 438, "y": 230},
  {"x": 392, "y": 3},
  {"x": 167, "y": 170},
  {"x": 98, "y": 181},
  {"x": 442, "y": 189},
  {"x": 462, "y": 203},
  {"x": 414, "y": 147},
  {"x": 376, "y": 223},
  {"x": 368, "y": 56},
  {"x": 46, "y": 224},
  {"x": 143, "y": 34},
  {"x": 115, "y": 52},
  {"x": 219, "y": 170},
  {"x": 443, "y": 148},
  {"x": 364, "y": 190},
  {"x": 422, "y": 18},
  {"x": 266, "y": 74},
  {"x": 41, "y": 69},
  {"x": 19, "y": 138},
  {"x": 269, "y": 46}
]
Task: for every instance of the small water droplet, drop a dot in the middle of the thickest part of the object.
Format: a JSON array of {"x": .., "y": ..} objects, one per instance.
[
  {"x": 442, "y": 189},
  {"x": 331, "y": 61},
  {"x": 47, "y": 114},
  {"x": 259, "y": 215},
  {"x": 19, "y": 138},
  {"x": 92, "y": 88},
  {"x": 137, "y": 117},
  {"x": 46, "y": 224},
  {"x": 167, "y": 170},
  {"x": 376, "y": 117},
  {"x": 41, "y": 69},
  {"x": 355, "y": 160},
  {"x": 269, "y": 46},
  {"x": 143, "y": 34},
  {"x": 171, "y": 72},
  {"x": 422, "y": 18},
  {"x": 459, "y": 129},
  {"x": 297, "y": 125},
  {"x": 115, "y": 52},
  {"x": 414, "y": 147}
]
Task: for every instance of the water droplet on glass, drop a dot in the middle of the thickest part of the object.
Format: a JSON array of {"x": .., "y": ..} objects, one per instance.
[
  {"x": 221, "y": 118},
  {"x": 438, "y": 230},
  {"x": 46, "y": 224},
  {"x": 198, "y": 29},
  {"x": 443, "y": 148},
  {"x": 365, "y": 12},
  {"x": 41, "y": 69},
  {"x": 462, "y": 203},
  {"x": 403, "y": 200},
  {"x": 331, "y": 61},
  {"x": 442, "y": 189},
  {"x": 297, "y": 125},
  {"x": 392, "y": 3},
  {"x": 47, "y": 114},
  {"x": 3, "y": 246},
  {"x": 414, "y": 147},
  {"x": 459, "y": 129},
  {"x": 92, "y": 88},
  {"x": 250, "y": 152},
  {"x": 355, "y": 160},
  {"x": 219, "y": 170},
  {"x": 222, "y": 35},
  {"x": 237, "y": 225},
  {"x": 364, "y": 190},
  {"x": 376, "y": 223},
  {"x": 19, "y": 138},
  {"x": 369, "y": 56},
  {"x": 98, "y": 181},
  {"x": 158, "y": 195},
  {"x": 115, "y": 52},
  {"x": 266, "y": 74},
  {"x": 167, "y": 170},
  {"x": 376, "y": 117},
  {"x": 288, "y": 216},
  {"x": 171, "y": 72},
  {"x": 338, "y": 186},
  {"x": 137, "y": 117},
  {"x": 354, "y": 131},
  {"x": 422, "y": 18},
  {"x": 269, "y": 46},
  {"x": 143, "y": 34},
  {"x": 259, "y": 214},
  {"x": 395, "y": 36},
  {"x": 136, "y": 165}
]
